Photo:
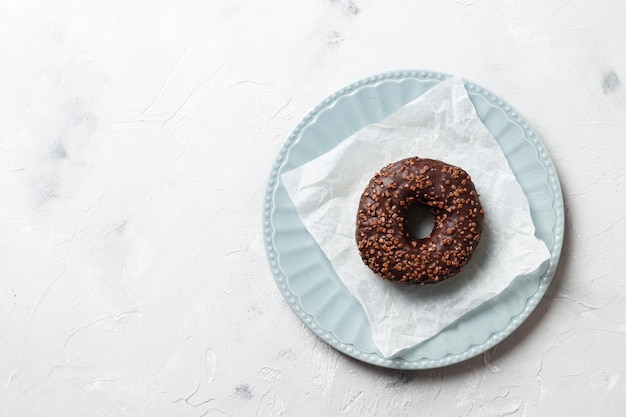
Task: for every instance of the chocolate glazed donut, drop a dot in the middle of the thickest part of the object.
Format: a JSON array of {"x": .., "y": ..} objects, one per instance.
[{"x": 382, "y": 236}]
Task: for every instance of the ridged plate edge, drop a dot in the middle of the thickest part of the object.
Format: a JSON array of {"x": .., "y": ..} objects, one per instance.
[{"x": 375, "y": 358}]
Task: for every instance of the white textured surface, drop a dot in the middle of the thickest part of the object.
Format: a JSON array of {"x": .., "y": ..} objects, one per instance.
[{"x": 135, "y": 142}]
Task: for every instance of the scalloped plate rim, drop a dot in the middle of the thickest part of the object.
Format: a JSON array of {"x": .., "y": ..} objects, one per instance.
[{"x": 374, "y": 358}]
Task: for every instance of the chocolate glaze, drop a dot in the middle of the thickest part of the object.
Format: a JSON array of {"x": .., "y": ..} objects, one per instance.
[{"x": 382, "y": 235}]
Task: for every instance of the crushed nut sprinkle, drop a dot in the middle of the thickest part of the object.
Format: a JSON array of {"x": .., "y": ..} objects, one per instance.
[{"x": 382, "y": 236}]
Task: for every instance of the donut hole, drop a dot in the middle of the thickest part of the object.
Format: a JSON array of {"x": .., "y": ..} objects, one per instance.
[{"x": 419, "y": 221}]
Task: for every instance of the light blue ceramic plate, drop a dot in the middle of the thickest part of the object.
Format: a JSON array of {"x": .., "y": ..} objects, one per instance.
[{"x": 307, "y": 280}]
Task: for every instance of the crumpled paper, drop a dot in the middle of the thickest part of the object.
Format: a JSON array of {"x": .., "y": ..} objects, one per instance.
[{"x": 441, "y": 124}]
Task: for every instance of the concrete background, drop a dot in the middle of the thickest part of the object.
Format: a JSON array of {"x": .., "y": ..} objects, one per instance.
[{"x": 136, "y": 139}]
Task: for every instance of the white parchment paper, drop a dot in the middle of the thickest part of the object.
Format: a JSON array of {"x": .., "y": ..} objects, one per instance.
[{"x": 441, "y": 124}]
